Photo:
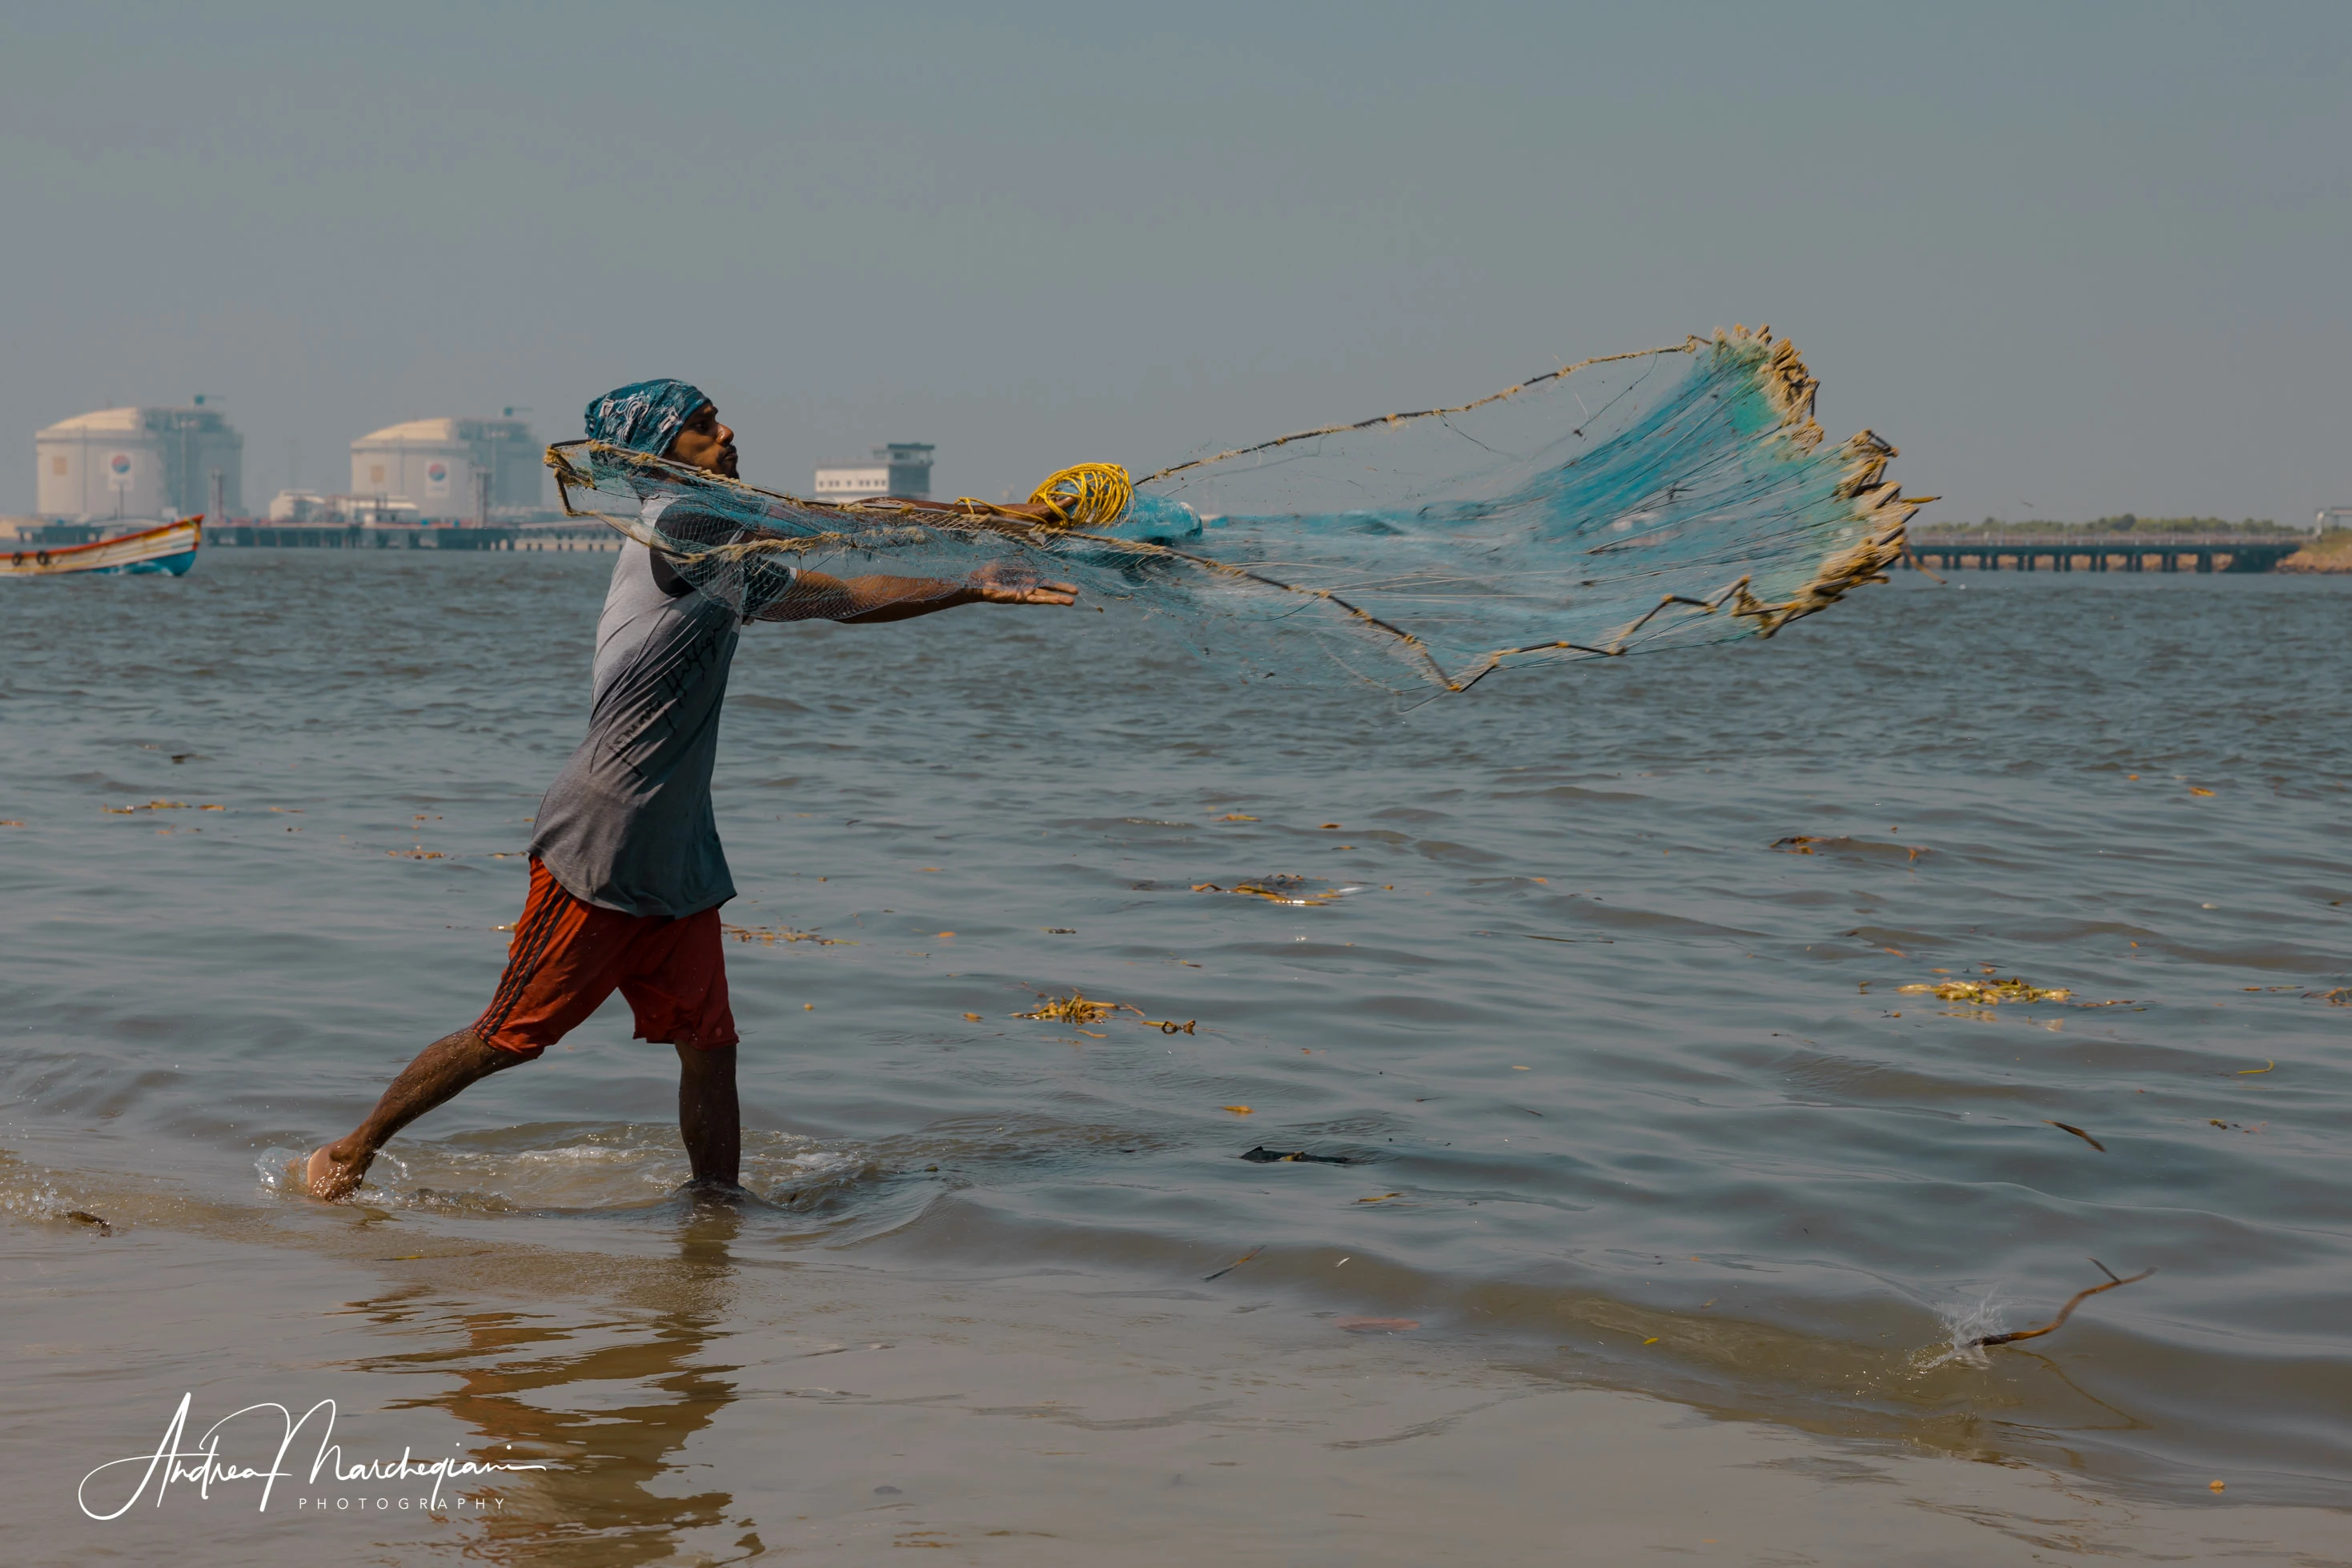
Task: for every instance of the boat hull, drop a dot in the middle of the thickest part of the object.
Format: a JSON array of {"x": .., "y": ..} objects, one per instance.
[{"x": 169, "y": 549}]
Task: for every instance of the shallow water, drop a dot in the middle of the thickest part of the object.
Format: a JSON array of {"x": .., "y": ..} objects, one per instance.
[{"x": 1631, "y": 1097}]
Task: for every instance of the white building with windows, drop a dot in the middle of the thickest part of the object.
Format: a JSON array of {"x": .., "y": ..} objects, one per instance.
[
  {"x": 898, "y": 468},
  {"x": 139, "y": 463},
  {"x": 431, "y": 463}
]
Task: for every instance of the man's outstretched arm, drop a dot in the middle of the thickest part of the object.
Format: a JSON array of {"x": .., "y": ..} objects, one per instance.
[{"x": 871, "y": 601}]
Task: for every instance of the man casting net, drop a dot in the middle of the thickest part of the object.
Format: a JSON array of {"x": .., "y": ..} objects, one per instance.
[{"x": 1660, "y": 499}]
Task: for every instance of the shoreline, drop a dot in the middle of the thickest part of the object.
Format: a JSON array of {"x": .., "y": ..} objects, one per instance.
[
  {"x": 2331, "y": 552},
  {"x": 1039, "y": 1417}
]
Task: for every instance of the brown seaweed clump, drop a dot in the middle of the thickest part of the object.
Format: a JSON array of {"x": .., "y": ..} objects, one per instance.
[
  {"x": 1076, "y": 1007},
  {"x": 1989, "y": 993}
]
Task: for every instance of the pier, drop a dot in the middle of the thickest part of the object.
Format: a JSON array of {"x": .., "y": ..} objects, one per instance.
[
  {"x": 2105, "y": 552},
  {"x": 256, "y": 533}
]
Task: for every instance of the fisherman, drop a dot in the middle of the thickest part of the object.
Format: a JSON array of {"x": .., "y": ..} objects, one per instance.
[{"x": 626, "y": 875}]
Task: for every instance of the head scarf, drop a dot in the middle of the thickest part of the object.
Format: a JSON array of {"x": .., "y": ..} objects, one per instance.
[{"x": 644, "y": 416}]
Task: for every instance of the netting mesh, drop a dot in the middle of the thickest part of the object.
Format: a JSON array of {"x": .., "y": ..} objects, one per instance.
[{"x": 1665, "y": 497}]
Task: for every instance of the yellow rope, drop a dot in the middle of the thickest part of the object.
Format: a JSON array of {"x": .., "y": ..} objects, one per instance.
[{"x": 1091, "y": 494}]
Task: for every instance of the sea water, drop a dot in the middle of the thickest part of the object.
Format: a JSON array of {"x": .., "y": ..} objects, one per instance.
[{"x": 1596, "y": 994}]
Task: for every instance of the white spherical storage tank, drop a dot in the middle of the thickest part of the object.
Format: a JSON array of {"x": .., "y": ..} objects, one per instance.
[
  {"x": 138, "y": 463},
  {"x": 431, "y": 463},
  {"x": 423, "y": 462}
]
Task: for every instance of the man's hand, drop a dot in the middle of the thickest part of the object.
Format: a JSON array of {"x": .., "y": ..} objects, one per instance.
[{"x": 1010, "y": 582}]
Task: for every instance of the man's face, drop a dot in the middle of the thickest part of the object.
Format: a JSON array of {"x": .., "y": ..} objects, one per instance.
[{"x": 704, "y": 443}]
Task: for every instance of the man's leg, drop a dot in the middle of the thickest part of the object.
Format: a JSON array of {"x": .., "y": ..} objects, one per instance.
[
  {"x": 439, "y": 1072},
  {"x": 678, "y": 990},
  {"x": 560, "y": 965},
  {"x": 707, "y": 1116}
]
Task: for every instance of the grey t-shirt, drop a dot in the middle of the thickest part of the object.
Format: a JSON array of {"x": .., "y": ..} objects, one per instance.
[{"x": 628, "y": 823}]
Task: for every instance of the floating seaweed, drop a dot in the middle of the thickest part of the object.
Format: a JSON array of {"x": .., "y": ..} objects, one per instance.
[
  {"x": 1262, "y": 1156},
  {"x": 1989, "y": 993},
  {"x": 769, "y": 936},
  {"x": 2067, "y": 1311},
  {"x": 2069, "y": 1127},
  {"x": 1235, "y": 1264},
  {"x": 1079, "y": 1008},
  {"x": 1076, "y": 1007},
  {"x": 1806, "y": 844},
  {"x": 1287, "y": 889}
]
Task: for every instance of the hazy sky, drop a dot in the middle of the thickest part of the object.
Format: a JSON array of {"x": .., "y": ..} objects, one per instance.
[{"x": 2073, "y": 259}]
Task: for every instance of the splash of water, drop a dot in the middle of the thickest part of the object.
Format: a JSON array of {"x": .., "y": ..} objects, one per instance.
[
  {"x": 1964, "y": 1324},
  {"x": 569, "y": 1166}
]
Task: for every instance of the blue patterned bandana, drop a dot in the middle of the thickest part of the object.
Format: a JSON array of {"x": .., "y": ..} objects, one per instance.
[{"x": 644, "y": 416}]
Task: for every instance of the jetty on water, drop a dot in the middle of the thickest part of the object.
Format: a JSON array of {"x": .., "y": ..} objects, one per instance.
[
  {"x": 255, "y": 533},
  {"x": 2105, "y": 552}
]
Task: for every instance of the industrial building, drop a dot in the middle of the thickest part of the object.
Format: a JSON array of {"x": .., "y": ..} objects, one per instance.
[
  {"x": 139, "y": 463},
  {"x": 310, "y": 507},
  {"x": 898, "y": 468},
  {"x": 436, "y": 465}
]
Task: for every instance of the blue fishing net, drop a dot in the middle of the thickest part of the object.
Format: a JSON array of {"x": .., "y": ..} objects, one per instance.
[{"x": 1661, "y": 499}]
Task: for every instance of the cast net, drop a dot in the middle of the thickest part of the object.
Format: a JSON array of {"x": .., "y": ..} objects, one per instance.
[{"x": 1665, "y": 497}]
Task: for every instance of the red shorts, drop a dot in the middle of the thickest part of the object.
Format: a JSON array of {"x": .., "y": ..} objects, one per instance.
[{"x": 568, "y": 956}]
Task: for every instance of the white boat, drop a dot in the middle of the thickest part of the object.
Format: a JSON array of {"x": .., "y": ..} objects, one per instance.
[{"x": 169, "y": 547}]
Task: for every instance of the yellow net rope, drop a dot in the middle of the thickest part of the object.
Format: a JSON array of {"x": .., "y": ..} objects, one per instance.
[
  {"x": 1088, "y": 496},
  {"x": 1085, "y": 495}
]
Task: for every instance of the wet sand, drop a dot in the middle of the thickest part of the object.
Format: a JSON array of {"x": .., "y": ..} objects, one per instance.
[{"x": 730, "y": 1408}]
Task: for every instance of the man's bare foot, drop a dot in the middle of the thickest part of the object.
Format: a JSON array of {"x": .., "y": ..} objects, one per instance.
[{"x": 322, "y": 1175}]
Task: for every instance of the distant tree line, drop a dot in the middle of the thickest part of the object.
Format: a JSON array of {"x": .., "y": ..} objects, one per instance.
[{"x": 2125, "y": 523}]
